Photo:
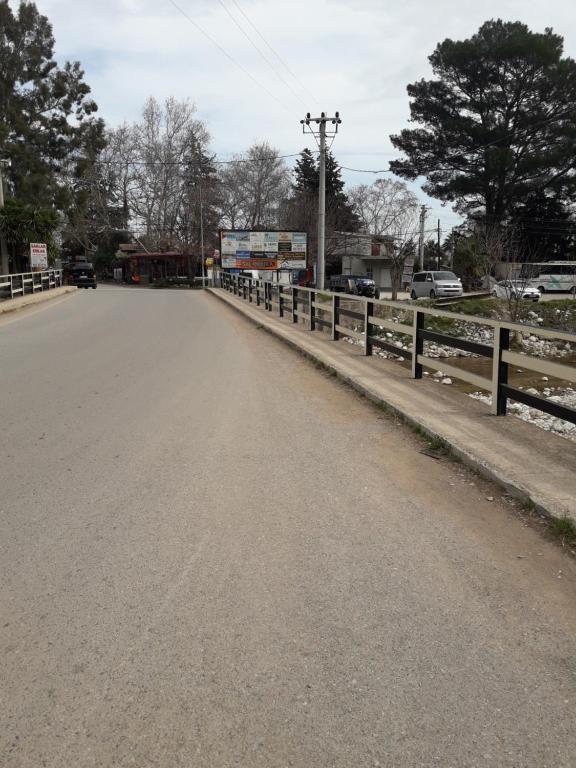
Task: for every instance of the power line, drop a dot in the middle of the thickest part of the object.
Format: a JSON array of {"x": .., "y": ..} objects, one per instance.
[
  {"x": 197, "y": 165},
  {"x": 263, "y": 55},
  {"x": 228, "y": 56},
  {"x": 517, "y": 132},
  {"x": 280, "y": 59},
  {"x": 366, "y": 170}
]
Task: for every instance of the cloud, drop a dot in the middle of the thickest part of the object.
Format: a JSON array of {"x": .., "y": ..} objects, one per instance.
[{"x": 356, "y": 56}]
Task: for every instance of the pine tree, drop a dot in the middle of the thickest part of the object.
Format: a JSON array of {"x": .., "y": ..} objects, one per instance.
[
  {"x": 497, "y": 123},
  {"x": 45, "y": 113},
  {"x": 305, "y": 173},
  {"x": 301, "y": 211}
]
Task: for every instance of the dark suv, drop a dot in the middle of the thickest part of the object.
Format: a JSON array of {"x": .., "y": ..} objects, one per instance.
[
  {"x": 359, "y": 285},
  {"x": 80, "y": 274}
]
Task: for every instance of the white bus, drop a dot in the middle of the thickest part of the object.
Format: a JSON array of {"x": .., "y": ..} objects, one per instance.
[{"x": 551, "y": 276}]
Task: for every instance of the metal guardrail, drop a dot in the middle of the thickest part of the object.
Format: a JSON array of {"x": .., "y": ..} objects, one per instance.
[
  {"x": 299, "y": 303},
  {"x": 23, "y": 283}
]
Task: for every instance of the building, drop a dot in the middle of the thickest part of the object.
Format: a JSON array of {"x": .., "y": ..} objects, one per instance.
[
  {"x": 366, "y": 255},
  {"x": 138, "y": 266}
]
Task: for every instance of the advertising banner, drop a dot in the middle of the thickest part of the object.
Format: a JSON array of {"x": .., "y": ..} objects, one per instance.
[
  {"x": 263, "y": 250},
  {"x": 38, "y": 256}
]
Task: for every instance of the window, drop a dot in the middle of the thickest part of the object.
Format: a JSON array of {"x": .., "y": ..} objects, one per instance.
[
  {"x": 419, "y": 277},
  {"x": 445, "y": 276}
]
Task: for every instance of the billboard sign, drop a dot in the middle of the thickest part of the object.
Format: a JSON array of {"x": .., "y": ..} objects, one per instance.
[
  {"x": 38, "y": 256},
  {"x": 243, "y": 249}
]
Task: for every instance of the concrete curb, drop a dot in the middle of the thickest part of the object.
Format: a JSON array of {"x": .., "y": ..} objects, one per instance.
[
  {"x": 514, "y": 486},
  {"x": 21, "y": 302}
]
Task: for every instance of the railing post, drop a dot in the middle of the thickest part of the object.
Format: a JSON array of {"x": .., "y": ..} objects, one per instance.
[
  {"x": 499, "y": 371},
  {"x": 335, "y": 316},
  {"x": 312, "y": 309},
  {"x": 270, "y": 296},
  {"x": 11, "y": 286},
  {"x": 280, "y": 300},
  {"x": 368, "y": 311},
  {"x": 417, "y": 344},
  {"x": 294, "y": 304},
  {"x": 250, "y": 292}
]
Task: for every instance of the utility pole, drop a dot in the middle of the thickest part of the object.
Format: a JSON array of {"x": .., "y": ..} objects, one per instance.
[
  {"x": 421, "y": 238},
  {"x": 439, "y": 252},
  {"x": 320, "y": 135},
  {"x": 321, "y": 268},
  {"x": 4, "y": 266},
  {"x": 202, "y": 238}
]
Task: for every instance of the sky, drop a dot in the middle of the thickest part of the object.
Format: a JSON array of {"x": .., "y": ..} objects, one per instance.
[{"x": 354, "y": 56}]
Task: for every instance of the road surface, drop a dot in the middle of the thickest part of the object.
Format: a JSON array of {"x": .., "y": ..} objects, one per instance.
[{"x": 214, "y": 555}]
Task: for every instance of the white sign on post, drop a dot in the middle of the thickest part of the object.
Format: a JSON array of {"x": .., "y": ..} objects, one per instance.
[{"x": 38, "y": 256}]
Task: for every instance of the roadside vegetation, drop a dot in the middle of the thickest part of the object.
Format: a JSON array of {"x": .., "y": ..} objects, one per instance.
[{"x": 559, "y": 314}]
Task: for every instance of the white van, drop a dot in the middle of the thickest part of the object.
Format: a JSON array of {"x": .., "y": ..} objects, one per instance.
[{"x": 432, "y": 285}]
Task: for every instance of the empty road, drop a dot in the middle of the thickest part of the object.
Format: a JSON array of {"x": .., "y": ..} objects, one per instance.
[{"x": 214, "y": 555}]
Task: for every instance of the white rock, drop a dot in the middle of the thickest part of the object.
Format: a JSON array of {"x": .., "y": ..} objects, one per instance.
[
  {"x": 544, "y": 378},
  {"x": 446, "y": 381}
]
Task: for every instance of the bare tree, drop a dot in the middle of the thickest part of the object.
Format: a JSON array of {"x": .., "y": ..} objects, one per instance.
[
  {"x": 389, "y": 210},
  {"x": 501, "y": 246},
  {"x": 147, "y": 167},
  {"x": 254, "y": 188}
]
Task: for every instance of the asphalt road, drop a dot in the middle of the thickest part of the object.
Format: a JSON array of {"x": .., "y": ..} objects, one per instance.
[{"x": 214, "y": 555}]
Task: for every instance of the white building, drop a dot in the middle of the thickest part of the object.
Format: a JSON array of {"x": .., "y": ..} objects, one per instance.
[{"x": 365, "y": 255}]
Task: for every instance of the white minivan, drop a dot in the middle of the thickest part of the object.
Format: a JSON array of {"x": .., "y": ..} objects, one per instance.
[{"x": 432, "y": 285}]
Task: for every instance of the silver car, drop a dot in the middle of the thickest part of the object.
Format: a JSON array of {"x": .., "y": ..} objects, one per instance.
[
  {"x": 435, "y": 284},
  {"x": 515, "y": 289}
]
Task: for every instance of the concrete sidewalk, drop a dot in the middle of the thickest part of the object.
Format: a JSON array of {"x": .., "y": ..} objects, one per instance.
[
  {"x": 529, "y": 463},
  {"x": 11, "y": 305}
]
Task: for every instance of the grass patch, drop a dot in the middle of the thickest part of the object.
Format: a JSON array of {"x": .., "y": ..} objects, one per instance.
[
  {"x": 438, "y": 447},
  {"x": 563, "y": 528}
]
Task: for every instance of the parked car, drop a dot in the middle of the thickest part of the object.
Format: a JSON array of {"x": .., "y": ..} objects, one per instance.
[
  {"x": 81, "y": 274},
  {"x": 358, "y": 285},
  {"x": 432, "y": 285},
  {"x": 515, "y": 289}
]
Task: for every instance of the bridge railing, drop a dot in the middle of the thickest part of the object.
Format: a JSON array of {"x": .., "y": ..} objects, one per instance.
[
  {"x": 23, "y": 283},
  {"x": 324, "y": 310}
]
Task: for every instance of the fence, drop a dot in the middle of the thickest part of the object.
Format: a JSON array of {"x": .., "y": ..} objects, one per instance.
[
  {"x": 313, "y": 307},
  {"x": 29, "y": 282}
]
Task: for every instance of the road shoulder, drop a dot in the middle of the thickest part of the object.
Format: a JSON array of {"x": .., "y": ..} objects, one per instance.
[{"x": 21, "y": 302}]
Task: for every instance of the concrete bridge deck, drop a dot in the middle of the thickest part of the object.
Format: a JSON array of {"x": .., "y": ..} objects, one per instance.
[{"x": 214, "y": 555}]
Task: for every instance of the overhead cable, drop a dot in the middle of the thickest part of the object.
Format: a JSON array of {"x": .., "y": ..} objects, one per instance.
[{"x": 228, "y": 56}]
